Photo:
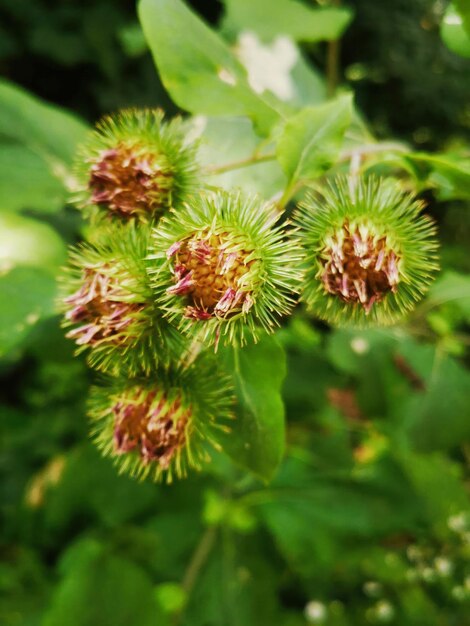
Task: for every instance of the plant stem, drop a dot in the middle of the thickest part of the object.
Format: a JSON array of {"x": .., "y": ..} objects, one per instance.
[
  {"x": 373, "y": 148},
  {"x": 198, "y": 559},
  {"x": 235, "y": 165},
  {"x": 332, "y": 63}
]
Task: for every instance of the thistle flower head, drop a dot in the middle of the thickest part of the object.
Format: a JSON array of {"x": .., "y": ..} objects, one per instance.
[
  {"x": 161, "y": 427},
  {"x": 135, "y": 165},
  {"x": 108, "y": 306},
  {"x": 370, "y": 254},
  {"x": 222, "y": 268}
]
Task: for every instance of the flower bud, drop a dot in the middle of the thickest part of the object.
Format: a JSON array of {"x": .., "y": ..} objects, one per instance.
[
  {"x": 370, "y": 254},
  {"x": 222, "y": 268},
  {"x": 135, "y": 165},
  {"x": 160, "y": 427}
]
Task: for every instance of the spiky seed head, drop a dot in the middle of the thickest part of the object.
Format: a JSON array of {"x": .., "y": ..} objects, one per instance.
[
  {"x": 223, "y": 269},
  {"x": 135, "y": 165},
  {"x": 108, "y": 305},
  {"x": 150, "y": 423},
  {"x": 99, "y": 309},
  {"x": 370, "y": 255},
  {"x": 162, "y": 426}
]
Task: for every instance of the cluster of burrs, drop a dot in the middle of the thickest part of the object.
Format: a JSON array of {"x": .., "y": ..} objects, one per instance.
[{"x": 174, "y": 268}]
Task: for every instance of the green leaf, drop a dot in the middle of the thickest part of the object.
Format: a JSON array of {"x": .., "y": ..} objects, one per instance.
[
  {"x": 438, "y": 483},
  {"x": 448, "y": 173},
  {"x": 236, "y": 587},
  {"x": 311, "y": 140},
  {"x": 27, "y": 295},
  {"x": 310, "y": 514},
  {"x": 256, "y": 440},
  {"x": 45, "y": 129},
  {"x": 27, "y": 182},
  {"x": 451, "y": 287},
  {"x": 437, "y": 418},
  {"x": 454, "y": 33},
  {"x": 26, "y": 241},
  {"x": 100, "y": 587},
  {"x": 230, "y": 139},
  {"x": 197, "y": 67},
  {"x": 286, "y": 17}
]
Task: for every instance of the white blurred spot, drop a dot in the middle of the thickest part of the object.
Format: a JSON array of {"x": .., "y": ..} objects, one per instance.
[
  {"x": 268, "y": 66},
  {"x": 443, "y": 566},
  {"x": 315, "y": 611},
  {"x": 384, "y": 611},
  {"x": 360, "y": 345},
  {"x": 226, "y": 76}
]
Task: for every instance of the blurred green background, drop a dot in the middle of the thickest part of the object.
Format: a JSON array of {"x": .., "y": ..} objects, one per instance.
[{"x": 367, "y": 521}]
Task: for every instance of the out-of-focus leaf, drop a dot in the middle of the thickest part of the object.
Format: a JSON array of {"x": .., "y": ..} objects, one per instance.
[
  {"x": 451, "y": 287},
  {"x": 26, "y": 295},
  {"x": 25, "y": 241},
  {"x": 256, "y": 440},
  {"x": 367, "y": 355},
  {"x": 132, "y": 40},
  {"x": 309, "y": 514},
  {"x": 290, "y": 17},
  {"x": 438, "y": 483},
  {"x": 199, "y": 70},
  {"x": 45, "y": 129},
  {"x": 27, "y": 181},
  {"x": 237, "y": 586},
  {"x": 112, "y": 499},
  {"x": 454, "y": 33},
  {"x": 448, "y": 173},
  {"x": 99, "y": 587},
  {"x": 437, "y": 418},
  {"x": 226, "y": 140},
  {"x": 311, "y": 140}
]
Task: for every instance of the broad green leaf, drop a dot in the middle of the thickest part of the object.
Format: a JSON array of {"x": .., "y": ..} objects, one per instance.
[
  {"x": 26, "y": 295},
  {"x": 256, "y": 440},
  {"x": 236, "y": 586},
  {"x": 99, "y": 587},
  {"x": 438, "y": 483},
  {"x": 311, "y": 140},
  {"x": 463, "y": 8},
  {"x": 26, "y": 241},
  {"x": 27, "y": 181},
  {"x": 448, "y": 173},
  {"x": 310, "y": 514},
  {"x": 438, "y": 417},
  {"x": 451, "y": 287},
  {"x": 286, "y": 17},
  {"x": 47, "y": 130},
  {"x": 454, "y": 33},
  {"x": 112, "y": 501},
  {"x": 197, "y": 67}
]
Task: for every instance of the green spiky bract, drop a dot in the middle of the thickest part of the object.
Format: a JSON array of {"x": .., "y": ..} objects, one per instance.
[
  {"x": 146, "y": 132},
  {"x": 387, "y": 212},
  {"x": 200, "y": 387},
  {"x": 119, "y": 252},
  {"x": 246, "y": 224}
]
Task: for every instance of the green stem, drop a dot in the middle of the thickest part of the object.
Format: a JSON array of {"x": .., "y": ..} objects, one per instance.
[
  {"x": 199, "y": 558},
  {"x": 332, "y": 63},
  {"x": 235, "y": 165}
]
